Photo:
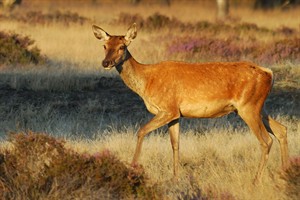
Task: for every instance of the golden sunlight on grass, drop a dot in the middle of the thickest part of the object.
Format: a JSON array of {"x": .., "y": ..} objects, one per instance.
[
  {"x": 219, "y": 159},
  {"x": 188, "y": 11},
  {"x": 75, "y": 43}
]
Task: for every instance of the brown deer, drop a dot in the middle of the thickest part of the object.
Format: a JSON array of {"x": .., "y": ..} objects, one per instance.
[{"x": 172, "y": 90}]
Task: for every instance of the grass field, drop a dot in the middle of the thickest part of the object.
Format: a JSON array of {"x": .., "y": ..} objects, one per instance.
[{"x": 70, "y": 96}]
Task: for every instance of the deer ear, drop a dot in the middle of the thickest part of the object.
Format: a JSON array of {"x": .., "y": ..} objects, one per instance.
[
  {"x": 131, "y": 34},
  {"x": 100, "y": 33}
]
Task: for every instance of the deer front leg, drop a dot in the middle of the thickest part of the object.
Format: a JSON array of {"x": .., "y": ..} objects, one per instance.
[
  {"x": 174, "y": 136},
  {"x": 162, "y": 118}
]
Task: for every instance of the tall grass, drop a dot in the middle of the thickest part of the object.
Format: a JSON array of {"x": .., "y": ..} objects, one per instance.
[{"x": 218, "y": 159}]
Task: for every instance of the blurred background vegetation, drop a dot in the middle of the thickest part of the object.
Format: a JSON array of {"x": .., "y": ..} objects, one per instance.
[{"x": 223, "y": 4}]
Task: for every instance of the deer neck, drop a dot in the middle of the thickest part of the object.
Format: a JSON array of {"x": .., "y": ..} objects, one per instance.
[{"x": 131, "y": 73}]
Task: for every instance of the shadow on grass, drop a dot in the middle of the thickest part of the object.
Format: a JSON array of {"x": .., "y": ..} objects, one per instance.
[{"x": 106, "y": 104}]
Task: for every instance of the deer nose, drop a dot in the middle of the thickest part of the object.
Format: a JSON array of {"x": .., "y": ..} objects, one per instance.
[{"x": 105, "y": 63}]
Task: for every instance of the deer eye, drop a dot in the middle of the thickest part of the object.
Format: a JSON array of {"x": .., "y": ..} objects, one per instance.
[
  {"x": 122, "y": 47},
  {"x": 104, "y": 46}
]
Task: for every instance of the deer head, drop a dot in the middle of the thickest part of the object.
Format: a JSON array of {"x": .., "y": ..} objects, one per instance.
[{"x": 115, "y": 47}]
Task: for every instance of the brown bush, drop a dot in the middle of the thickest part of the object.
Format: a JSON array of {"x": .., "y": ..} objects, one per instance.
[
  {"x": 153, "y": 22},
  {"x": 39, "y": 166},
  {"x": 17, "y": 49},
  {"x": 158, "y": 21},
  {"x": 292, "y": 177},
  {"x": 38, "y": 17},
  {"x": 286, "y": 49},
  {"x": 235, "y": 49}
]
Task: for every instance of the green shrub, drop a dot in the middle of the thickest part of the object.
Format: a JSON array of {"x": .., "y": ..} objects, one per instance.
[{"x": 17, "y": 49}]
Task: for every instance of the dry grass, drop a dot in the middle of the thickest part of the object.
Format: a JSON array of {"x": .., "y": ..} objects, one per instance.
[
  {"x": 216, "y": 164},
  {"x": 219, "y": 159}
]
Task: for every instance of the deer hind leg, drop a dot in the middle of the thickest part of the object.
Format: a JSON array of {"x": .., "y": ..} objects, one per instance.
[
  {"x": 162, "y": 118},
  {"x": 174, "y": 136},
  {"x": 254, "y": 121},
  {"x": 280, "y": 132}
]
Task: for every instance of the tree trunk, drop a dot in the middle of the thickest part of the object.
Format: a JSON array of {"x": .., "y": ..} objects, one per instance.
[
  {"x": 9, "y": 4},
  {"x": 222, "y": 9}
]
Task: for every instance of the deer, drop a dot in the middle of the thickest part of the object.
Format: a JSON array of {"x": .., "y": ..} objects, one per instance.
[{"x": 172, "y": 89}]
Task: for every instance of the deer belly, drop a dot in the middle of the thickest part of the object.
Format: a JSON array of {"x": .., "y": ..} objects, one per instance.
[{"x": 206, "y": 110}]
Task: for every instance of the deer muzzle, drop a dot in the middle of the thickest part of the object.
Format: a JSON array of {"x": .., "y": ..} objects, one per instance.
[{"x": 107, "y": 64}]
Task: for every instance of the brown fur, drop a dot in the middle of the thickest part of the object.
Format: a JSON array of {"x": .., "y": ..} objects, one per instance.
[{"x": 172, "y": 90}]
